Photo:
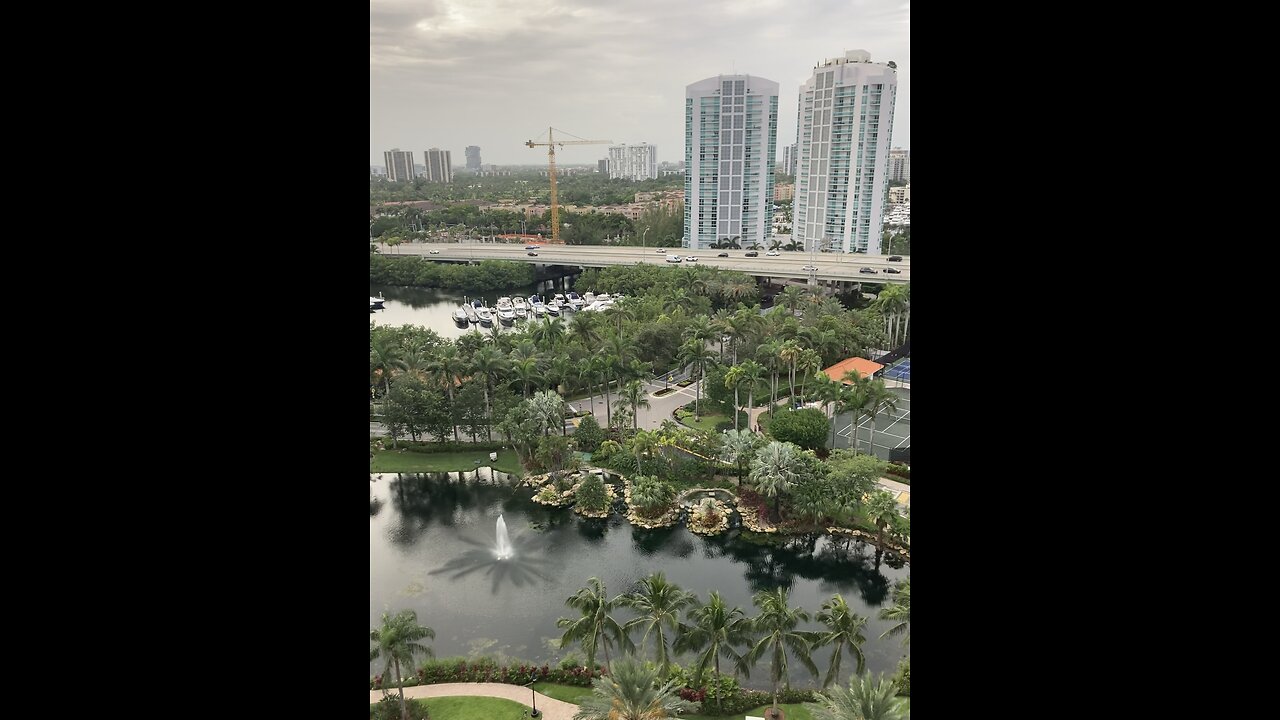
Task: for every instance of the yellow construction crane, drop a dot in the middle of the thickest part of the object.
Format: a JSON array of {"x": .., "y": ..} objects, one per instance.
[{"x": 551, "y": 166}]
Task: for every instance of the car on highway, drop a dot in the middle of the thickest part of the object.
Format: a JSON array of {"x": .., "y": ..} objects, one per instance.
[
  {"x": 895, "y": 258},
  {"x": 691, "y": 258},
  {"x": 893, "y": 270},
  {"x": 433, "y": 252},
  {"x": 662, "y": 251},
  {"x": 723, "y": 255},
  {"x": 810, "y": 268},
  {"x": 772, "y": 253},
  {"x": 673, "y": 258},
  {"x": 531, "y": 253},
  {"x": 753, "y": 253},
  {"x": 532, "y": 247},
  {"x": 867, "y": 270}
]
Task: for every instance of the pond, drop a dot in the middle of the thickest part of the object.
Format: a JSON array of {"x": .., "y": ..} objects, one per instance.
[{"x": 431, "y": 549}]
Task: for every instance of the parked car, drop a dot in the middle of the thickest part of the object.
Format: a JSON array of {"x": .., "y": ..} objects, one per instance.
[
  {"x": 810, "y": 268},
  {"x": 723, "y": 255},
  {"x": 752, "y": 253},
  {"x": 893, "y": 270},
  {"x": 895, "y": 258},
  {"x": 772, "y": 253},
  {"x": 532, "y": 254},
  {"x": 867, "y": 270},
  {"x": 433, "y": 252},
  {"x": 691, "y": 258}
]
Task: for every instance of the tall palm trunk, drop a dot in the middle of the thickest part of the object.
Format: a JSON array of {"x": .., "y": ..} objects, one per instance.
[
  {"x": 608, "y": 421},
  {"x": 488, "y": 412},
  {"x": 404, "y": 711},
  {"x": 452, "y": 415},
  {"x": 697, "y": 393},
  {"x": 751, "y": 402},
  {"x": 385, "y": 398},
  {"x": 872, "y": 441},
  {"x": 773, "y": 391},
  {"x": 735, "y": 408}
]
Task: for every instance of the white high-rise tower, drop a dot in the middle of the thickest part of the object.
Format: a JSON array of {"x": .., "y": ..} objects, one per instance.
[
  {"x": 730, "y": 138},
  {"x": 843, "y": 133}
]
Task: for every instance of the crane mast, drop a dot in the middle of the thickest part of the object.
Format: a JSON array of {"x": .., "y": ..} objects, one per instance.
[{"x": 551, "y": 167}]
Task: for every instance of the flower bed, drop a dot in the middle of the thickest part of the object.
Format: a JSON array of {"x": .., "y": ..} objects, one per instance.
[{"x": 753, "y": 508}]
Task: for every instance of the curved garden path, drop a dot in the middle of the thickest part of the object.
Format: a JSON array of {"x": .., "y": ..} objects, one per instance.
[{"x": 550, "y": 708}]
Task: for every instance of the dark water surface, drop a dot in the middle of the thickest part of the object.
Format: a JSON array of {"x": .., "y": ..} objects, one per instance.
[{"x": 431, "y": 542}]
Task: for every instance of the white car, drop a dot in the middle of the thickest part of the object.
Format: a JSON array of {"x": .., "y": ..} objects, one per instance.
[
  {"x": 809, "y": 268},
  {"x": 691, "y": 258},
  {"x": 673, "y": 258},
  {"x": 433, "y": 252},
  {"x": 772, "y": 253}
]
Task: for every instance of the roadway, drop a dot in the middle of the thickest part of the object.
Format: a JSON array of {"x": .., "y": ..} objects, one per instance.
[{"x": 831, "y": 266}]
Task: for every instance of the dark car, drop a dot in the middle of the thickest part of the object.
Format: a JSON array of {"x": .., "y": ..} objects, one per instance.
[
  {"x": 753, "y": 253},
  {"x": 532, "y": 247},
  {"x": 895, "y": 258},
  {"x": 532, "y": 254},
  {"x": 723, "y": 255},
  {"x": 893, "y": 270},
  {"x": 867, "y": 270}
]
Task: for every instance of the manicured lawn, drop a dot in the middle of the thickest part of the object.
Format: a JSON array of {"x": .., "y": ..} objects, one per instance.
[
  {"x": 473, "y": 708},
  {"x": 793, "y": 712},
  {"x": 567, "y": 693},
  {"x": 707, "y": 423},
  {"x": 390, "y": 461}
]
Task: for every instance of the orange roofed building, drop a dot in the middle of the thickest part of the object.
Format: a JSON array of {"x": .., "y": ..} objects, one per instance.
[{"x": 865, "y": 368}]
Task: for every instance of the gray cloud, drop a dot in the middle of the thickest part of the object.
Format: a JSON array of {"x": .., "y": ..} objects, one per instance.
[{"x": 494, "y": 73}]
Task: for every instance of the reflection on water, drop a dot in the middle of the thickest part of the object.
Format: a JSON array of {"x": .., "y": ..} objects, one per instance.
[{"x": 431, "y": 550}]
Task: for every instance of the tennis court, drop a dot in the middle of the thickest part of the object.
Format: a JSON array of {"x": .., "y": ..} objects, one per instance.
[
  {"x": 900, "y": 371},
  {"x": 893, "y": 427}
]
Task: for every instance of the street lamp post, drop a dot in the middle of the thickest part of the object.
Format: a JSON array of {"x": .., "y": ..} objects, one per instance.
[
  {"x": 534, "y": 712},
  {"x": 646, "y": 232}
]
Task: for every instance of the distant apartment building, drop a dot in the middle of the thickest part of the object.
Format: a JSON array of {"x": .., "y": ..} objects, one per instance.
[
  {"x": 785, "y": 191},
  {"x": 730, "y": 146},
  {"x": 844, "y": 128},
  {"x": 399, "y": 164},
  {"x": 602, "y": 166},
  {"x": 789, "y": 158},
  {"x": 900, "y": 165},
  {"x": 473, "y": 157},
  {"x": 633, "y": 162},
  {"x": 899, "y": 195},
  {"x": 665, "y": 173},
  {"x": 439, "y": 166},
  {"x": 378, "y": 170}
]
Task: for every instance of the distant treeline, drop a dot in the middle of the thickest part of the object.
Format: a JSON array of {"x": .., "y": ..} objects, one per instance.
[{"x": 414, "y": 271}]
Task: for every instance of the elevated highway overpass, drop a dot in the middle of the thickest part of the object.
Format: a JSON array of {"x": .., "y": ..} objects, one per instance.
[{"x": 832, "y": 267}]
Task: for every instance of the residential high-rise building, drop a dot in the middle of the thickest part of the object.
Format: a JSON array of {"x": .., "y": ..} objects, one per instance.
[
  {"x": 439, "y": 166},
  {"x": 399, "y": 164},
  {"x": 730, "y": 139},
  {"x": 602, "y": 166},
  {"x": 900, "y": 165},
  {"x": 844, "y": 129},
  {"x": 789, "y": 158},
  {"x": 473, "y": 157},
  {"x": 633, "y": 162}
]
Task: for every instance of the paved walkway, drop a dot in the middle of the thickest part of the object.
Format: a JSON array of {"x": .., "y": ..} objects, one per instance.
[{"x": 550, "y": 708}]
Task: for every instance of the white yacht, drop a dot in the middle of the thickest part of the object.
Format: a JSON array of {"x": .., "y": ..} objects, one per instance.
[{"x": 575, "y": 302}]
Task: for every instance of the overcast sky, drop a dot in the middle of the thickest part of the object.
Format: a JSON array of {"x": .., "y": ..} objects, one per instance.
[{"x": 495, "y": 73}]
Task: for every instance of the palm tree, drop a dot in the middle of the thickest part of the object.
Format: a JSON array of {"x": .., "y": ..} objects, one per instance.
[
  {"x": 397, "y": 642},
  {"x": 526, "y": 373},
  {"x": 809, "y": 363},
  {"x": 855, "y": 401},
  {"x": 659, "y": 604},
  {"x": 899, "y": 612},
  {"x": 559, "y": 370},
  {"x": 865, "y": 699},
  {"x": 790, "y": 353},
  {"x": 715, "y": 630},
  {"x": 547, "y": 409},
  {"x": 697, "y": 353},
  {"x": 596, "y": 629},
  {"x": 879, "y": 398},
  {"x": 643, "y": 442},
  {"x": 777, "y": 623},
  {"x": 385, "y": 356},
  {"x": 445, "y": 367},
  {"x": 603, "y": 364},
  {"x": 733, "y": 379},
  {"x": 488, "y": 362},
  {"x": 752, "y": 371},
  {"x": 635, "y": 396},
  {"x": 548, "y": 334},
  {"x": 772, "y": 473},
  {"x": 880, "y": 509},
  {"x": 582, "y": 328},
  {"x": 844, "y": 627},
  {"x": 767, "y": 353},
  {"x": 738, "y": 447},
  {"x": 632, "y": 692}
]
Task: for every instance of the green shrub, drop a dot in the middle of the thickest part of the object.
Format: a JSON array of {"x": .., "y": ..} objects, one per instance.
[
  {"x": 388, "y": 708},
  {"x": 902, "y": 678}
]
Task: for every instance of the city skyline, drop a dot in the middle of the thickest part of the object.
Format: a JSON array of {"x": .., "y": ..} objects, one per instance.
[{"x": 493, "y": 73}]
